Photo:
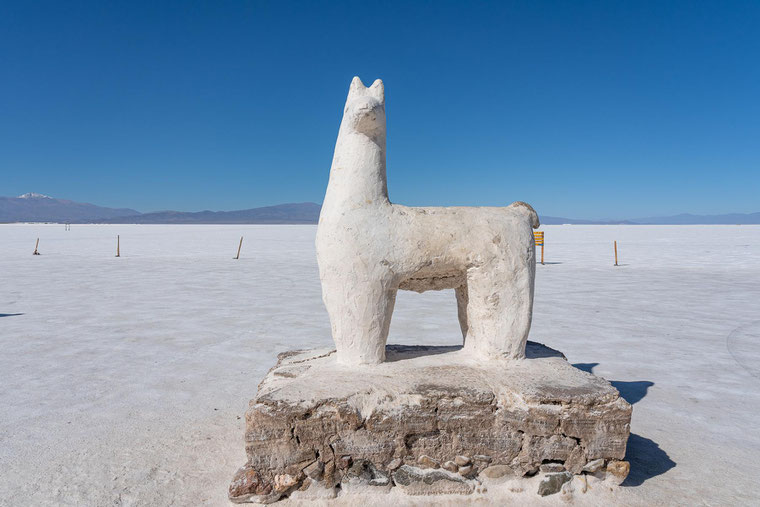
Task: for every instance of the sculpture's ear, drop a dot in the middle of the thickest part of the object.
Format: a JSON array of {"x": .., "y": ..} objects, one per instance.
[
  {"x": 378, "y": 90},
  {"x": 357, "y": 87}
]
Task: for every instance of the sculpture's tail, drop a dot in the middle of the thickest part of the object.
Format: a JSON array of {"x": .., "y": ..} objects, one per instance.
[{"x": 528, "y": 210}]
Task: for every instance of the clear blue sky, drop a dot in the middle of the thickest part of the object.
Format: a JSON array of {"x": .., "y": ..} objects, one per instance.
[{"x": 603, "y": 109}]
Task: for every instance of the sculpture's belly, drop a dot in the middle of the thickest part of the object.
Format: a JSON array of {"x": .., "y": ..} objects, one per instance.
[{"x": 426, "y": 280}]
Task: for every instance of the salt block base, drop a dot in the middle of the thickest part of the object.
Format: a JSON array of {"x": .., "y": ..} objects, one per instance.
[{"x": 429, "y": 420}]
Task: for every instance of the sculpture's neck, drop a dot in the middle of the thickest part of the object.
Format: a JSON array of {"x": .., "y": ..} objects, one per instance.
[{"x": 357, "y": 175}]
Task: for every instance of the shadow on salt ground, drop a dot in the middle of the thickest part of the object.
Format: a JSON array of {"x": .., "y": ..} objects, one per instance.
[
  {"x": 395, "y": 353},
  {"x": 587, "y": 367},
  {"x": 631, "y": 391},
  {"x": 647, "y": 460},
  {"x": 645, "y": 456},
  {"x": 10, "y": 314}
]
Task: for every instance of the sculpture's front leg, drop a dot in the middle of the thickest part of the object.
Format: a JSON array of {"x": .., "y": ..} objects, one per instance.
[{"x": 360, "y": 308}]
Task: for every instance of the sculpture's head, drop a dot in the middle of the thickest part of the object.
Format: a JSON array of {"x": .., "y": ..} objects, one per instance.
[{"x": 365, "y": 108}]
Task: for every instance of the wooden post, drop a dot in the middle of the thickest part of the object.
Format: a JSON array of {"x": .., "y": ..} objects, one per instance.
[
  {"x": 239, "y": 247},
  {"x": 117, "y": 246},
  {"x": 542, "y": 252},
  {"x": 36, "y": 246},
  {"x": 616, "y": 262}
]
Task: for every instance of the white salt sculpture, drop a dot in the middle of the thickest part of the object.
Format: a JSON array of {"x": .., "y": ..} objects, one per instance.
[{"x": 368, "y": 248}]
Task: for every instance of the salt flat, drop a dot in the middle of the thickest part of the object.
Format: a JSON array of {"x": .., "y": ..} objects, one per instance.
[{"x": 124, "y": 380}]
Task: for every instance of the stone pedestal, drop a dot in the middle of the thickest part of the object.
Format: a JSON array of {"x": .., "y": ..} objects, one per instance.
[{"x": 430, "y": 420}]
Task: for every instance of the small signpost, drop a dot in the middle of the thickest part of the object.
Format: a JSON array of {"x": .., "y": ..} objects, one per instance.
[
  {"x": 36, "y": 246},
  {"x": 616, "y": 263},
  {"x": 539, "y": 237},
  {"x": 117, "y": 246},
  {"x": 239, "y": 247}
]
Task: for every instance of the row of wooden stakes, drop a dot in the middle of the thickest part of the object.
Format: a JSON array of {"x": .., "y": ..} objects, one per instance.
[
  {"x": 538, "y": 236},
  {"x": 118, "y": 251}
]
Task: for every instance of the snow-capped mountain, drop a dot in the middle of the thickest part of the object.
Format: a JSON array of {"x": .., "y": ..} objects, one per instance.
[{"x": 33, "y": 195}]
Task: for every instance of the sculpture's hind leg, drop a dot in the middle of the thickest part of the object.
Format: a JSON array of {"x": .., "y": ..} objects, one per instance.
[
  {"x": 499, "y": 307},
  {"x": 360, "y": 315},
  {"x": 461, "y": 293}
]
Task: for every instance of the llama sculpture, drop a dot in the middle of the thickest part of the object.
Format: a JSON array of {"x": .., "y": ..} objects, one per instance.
[{"x": 368, "y": 248}]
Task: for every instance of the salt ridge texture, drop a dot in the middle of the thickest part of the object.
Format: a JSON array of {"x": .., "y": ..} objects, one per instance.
[{"x": 123, "y": 378}]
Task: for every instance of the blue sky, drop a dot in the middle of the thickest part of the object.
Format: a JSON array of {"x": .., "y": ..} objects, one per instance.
[{"x": 584, "y": 109}]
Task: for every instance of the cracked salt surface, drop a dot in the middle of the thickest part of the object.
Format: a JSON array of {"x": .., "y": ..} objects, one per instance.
[{"x": 112, "y": 368}]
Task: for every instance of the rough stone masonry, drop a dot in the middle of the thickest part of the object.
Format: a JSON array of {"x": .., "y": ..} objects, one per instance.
[{"x": 429, "y": 420}]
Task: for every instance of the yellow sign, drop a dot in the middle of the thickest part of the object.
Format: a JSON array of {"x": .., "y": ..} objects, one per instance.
[{"x": 538, "y": 236}]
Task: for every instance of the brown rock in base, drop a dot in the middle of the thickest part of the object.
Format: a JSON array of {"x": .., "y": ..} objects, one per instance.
[
  {"x": 575, "y": 460},
  {"x": 593, "y": 466},
  {"x": 425, "y": 406},
  {"x": 393, "y": 465},
  {"x": 466, "y": 470},
  {"x": 462, "y": 461},
  {"x": 247, "y": 484},
  {"x": 330, "y": 476},
  {"x": 315, "y": 470},
  {"x": 426, "y": 461},
  {"x": 284, "y": 482},
  {"x": 450, "y": 466},
  {"x": 618, "y": 470},
  {"x": 497, "y": 471}
]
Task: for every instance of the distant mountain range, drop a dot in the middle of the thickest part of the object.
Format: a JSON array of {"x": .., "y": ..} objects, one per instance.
[
  {"x": 545, "y": 220},
  {"x": 33, "y": 207},
  {"x": 682, "y": 219},
  {"x": 295, "y": 213},
  {"x": 686, "y": 219}
]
